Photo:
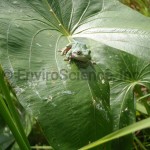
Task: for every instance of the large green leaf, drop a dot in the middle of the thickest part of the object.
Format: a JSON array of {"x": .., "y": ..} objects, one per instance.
[
  {"x": 119, "y": 27},
  {"x": 72, "y": 111},
  {"x": 106, "y": 21},
  {"x": 124, "y": 71}
]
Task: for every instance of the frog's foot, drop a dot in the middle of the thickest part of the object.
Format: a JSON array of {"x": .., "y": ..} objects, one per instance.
[{"x": 61, "y": 52}]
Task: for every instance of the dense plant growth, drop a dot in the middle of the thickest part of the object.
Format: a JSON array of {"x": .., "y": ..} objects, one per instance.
[{"x": 78, "y": 103}]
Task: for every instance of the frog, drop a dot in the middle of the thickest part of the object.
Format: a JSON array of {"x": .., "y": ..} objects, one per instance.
[{"x": 77, "y": 51}]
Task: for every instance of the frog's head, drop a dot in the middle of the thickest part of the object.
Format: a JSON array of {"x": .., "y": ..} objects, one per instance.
[{"x": 81, "y": 53}]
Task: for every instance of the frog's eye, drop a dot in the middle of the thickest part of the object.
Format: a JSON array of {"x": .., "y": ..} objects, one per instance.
[{"x": 79, "y": 52}]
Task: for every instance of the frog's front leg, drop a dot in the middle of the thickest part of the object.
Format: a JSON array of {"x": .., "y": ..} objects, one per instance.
[{"x": 66, "y": 49}]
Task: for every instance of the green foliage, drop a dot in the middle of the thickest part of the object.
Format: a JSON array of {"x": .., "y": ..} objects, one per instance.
[
  {"x": 143, "y": 6},
  {"x": 9, "y": 113},
  {"x": 77, "y": 105},
  {"x": 129, "y": 129}
]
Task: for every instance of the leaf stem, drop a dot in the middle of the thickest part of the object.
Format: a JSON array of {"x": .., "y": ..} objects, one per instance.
[{"x": 60, "y": 24}]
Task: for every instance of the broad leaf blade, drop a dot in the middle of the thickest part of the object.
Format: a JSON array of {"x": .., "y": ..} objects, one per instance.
[
  {"x": 71, "y": 111},
  {"x": 31, "y": 51},
  {"x": 119, "y": 27},
  {"x": 125, "y": 71}
]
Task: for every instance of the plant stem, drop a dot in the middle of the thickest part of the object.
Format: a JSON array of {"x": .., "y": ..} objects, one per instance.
[
  {"x": 12, "y": 117},
  {"x": 12, "y": 125}
]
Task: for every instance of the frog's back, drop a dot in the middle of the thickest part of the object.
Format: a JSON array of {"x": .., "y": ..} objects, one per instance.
[{"x": 79, "y": 45}]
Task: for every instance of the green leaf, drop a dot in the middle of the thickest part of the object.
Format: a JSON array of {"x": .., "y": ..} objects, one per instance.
[
  {"x": 71, "y": 106},
  {"x": 119, "y": 27},
  {"x": 141, "y": 108},
  {"x": 10, "y": 114},
  {"x": 124, "y": 71},
  {"x": 122, "y": 132},
  {"x": 48, "y": 87}
]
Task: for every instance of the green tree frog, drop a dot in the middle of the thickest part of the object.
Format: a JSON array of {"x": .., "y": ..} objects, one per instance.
[{"x": 76, "y": 51}]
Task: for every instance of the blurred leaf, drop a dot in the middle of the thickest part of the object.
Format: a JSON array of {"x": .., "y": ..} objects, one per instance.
[
  {"x": 6, "y": 137},
  {"x": 141, "y": 108}
]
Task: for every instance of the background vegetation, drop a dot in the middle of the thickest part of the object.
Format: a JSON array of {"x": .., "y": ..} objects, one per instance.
[{"x": 33, "y": 129}]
